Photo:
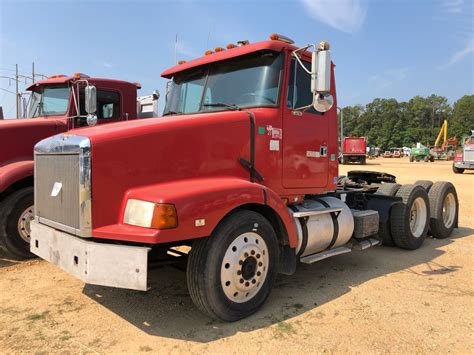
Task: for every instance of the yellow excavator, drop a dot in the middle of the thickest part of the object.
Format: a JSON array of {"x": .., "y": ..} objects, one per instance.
[{"x": 448, "y": 148}]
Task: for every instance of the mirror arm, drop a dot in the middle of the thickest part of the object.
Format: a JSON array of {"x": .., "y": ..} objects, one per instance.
[{"x": 296, "y": 54}]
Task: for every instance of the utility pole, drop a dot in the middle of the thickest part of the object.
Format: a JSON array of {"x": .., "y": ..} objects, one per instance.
[
  {"x": 33, "y": 71},
  {"x": 16, "y": 93}
]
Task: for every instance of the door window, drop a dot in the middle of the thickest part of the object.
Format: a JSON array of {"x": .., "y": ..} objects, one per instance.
[{"x": 299, "y": 88}]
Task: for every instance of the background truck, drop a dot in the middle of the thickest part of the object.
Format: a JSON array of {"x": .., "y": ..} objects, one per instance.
[
  {"x": 354, "y": 150},
  {"x": 464, "y": 159},
  {"x": 238, "y": 181},
  {"x": 56, "y": 105}
]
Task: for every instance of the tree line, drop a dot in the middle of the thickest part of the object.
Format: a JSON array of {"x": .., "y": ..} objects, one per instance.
[{"x": 388, "y": 123}]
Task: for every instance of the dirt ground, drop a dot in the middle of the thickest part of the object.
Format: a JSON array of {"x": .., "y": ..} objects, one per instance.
[{"x": 379, "y": 300}]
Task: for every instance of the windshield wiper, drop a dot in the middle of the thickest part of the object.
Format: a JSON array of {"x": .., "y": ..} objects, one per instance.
[
  {"x": 172, "y": 113},
  {"x": 223, "y": 104}
]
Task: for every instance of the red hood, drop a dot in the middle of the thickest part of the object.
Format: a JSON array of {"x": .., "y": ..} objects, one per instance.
[{"x": 18, "y": 136}]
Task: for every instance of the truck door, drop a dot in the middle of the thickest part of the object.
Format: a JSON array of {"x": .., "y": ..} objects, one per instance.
[{"x": 305, "y": 134}]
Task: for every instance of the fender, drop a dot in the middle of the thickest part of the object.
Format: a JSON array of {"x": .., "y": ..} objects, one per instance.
[
  {"x": 210, "y": 199},
  {"x": 14, "y": 172}
]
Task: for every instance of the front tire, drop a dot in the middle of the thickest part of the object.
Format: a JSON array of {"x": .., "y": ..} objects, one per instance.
[
  {"x": 457, "y": 170},
  {"x": 17, "y": 211},
  {"x": 231, "y": 273}
]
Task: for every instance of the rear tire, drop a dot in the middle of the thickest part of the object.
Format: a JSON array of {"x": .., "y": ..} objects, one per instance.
[
  {"x": 15, "y": 216},
  {"x": 409, "y": 221},
  {"x": 412, "y": 159},
  {"x": 426, "y": 184},
  {"x": 231, "y": 273},
  {"x": 387, "y": 189},
  {"x": 444, "y": 209},
  {"x": 457, "y": 170}
]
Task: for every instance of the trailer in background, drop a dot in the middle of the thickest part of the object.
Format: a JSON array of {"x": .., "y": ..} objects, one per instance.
[{"x": 354, "y": 150}]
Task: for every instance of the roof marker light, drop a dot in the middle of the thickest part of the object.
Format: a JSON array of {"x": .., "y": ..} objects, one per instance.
[
  {"x": 181, "y": 62},
  {"x": 230, "y": 46},
  {"x": 208, "y": 52},
  {"x": 81, "y": 75},
  {"x": 57, "y": 76},
  {"x": 277, "y": 37},
  {"x": 219, "y": 49}
]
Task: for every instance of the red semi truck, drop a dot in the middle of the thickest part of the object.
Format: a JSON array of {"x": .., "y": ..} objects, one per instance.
[
  {"x": 56, "y": 105},
  {"x": 464, "y": 159},
  {"x": 241, "y": 170},
  {"x": 354, "y": 150}
]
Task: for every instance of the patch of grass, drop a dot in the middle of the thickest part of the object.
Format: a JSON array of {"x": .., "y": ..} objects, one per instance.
[
  {"x": 37, "y": 316},
  {"x": 285, "y": 327},
  {"x": 145, "y": 348}
]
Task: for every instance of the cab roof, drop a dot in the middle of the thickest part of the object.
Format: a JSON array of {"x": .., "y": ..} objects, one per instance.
[
  {"x": 70, "y": 79},
  {"x": 273, "y": 45}
]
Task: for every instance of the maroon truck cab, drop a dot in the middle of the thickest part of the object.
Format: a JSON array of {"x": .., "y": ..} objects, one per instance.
[
  {"x": 354, "y": 149},
  {"x": 56, "y": 105}
]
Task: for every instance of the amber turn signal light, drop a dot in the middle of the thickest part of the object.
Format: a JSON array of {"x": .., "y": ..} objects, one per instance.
[{"x": 164, "y": 216}]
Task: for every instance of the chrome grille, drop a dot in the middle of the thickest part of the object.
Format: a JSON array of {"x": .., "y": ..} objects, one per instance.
[
  {"x": 62, "y": 169},
  {"x": 468, "y": 155},
  {"x": 63, "y": 194}
]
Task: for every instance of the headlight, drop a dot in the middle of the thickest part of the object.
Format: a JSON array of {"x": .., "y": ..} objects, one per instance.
[{"x": 150, "y": 215}]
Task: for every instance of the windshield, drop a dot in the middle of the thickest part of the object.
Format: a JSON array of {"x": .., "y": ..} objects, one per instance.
[
  {"x": 248, "y": 81},
  {"x": 49, "y": 101}
]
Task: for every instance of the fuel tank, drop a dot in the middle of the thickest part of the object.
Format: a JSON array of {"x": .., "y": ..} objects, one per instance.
[{"x": 323, "y": 231}]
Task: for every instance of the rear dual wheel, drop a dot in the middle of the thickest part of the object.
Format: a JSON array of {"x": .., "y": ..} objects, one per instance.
[
  {"x": 409, "y": 220},
  {"x": 231, "y": 273},
  {"x": 444, "y": 208}
]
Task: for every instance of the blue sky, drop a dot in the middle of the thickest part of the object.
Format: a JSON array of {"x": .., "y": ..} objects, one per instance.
[{"x": 381, "y": 48}]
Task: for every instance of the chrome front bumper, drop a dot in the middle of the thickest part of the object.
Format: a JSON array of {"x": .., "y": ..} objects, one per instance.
[
  {"x": 94, "y": 263},
  {"x": 464, "y": 164}
]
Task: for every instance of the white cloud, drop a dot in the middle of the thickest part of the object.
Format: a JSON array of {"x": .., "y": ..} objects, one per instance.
[
  {"x": 107, "y": 65},
  {"x": 344, "y": 15},
  {"x": 387, "y": 79},
  {"x": 460, "y": 54},
  {"x": 453, "y": 6}
]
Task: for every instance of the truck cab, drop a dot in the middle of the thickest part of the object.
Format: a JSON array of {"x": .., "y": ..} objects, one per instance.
[
  {"x": 238, "y": 180},
  {"x": 464, "y": 159},
  {"x": 56, "y": 105}
]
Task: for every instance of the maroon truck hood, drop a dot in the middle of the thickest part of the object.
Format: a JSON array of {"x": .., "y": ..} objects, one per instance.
[{"x": 19, "y": 136}]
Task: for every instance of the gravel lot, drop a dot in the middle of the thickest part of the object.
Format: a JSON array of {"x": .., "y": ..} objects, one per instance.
[{"x": 380, "y": 300}]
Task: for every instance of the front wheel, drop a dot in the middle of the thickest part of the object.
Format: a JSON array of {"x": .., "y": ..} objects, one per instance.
[
  {"x": 457, "y": 170},
  {"x": 16, "y": 213},
  {"x": 231, "y": 273}
]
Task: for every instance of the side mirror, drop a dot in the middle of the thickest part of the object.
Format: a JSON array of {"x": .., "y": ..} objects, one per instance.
[
  {"x": 321, "y": 78},
  {"x": 90, "y": 99}
]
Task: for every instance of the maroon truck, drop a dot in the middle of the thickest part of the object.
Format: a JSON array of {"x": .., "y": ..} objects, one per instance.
[
  {"x": 354, "y": 150},
  {"x": 56, "y": 105}
]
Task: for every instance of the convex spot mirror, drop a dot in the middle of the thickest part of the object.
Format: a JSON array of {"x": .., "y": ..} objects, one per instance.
[{"x": 90, "y": 99}]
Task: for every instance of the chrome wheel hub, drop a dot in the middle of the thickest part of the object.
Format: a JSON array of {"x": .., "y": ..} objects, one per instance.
[
  {"x": 24, "y": 223},
  {"x": 449, "y": 210},
  {"x": 418, "y": 215},
  {"x": 244, "y": 267}
]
